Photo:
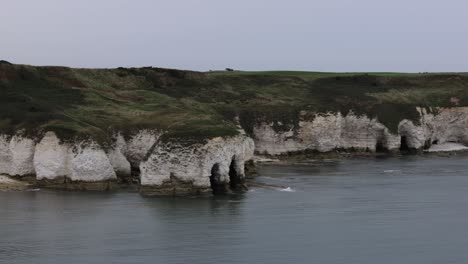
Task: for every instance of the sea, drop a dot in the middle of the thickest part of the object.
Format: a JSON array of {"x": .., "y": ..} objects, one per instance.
[{"x": 385, "y": 210}]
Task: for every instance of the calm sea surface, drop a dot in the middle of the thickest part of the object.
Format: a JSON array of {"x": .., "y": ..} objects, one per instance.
[{"x": 409, "y": 209}]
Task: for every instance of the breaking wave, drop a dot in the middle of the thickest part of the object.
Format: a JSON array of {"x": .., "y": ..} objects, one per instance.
[{"x": 288, "y": 189}]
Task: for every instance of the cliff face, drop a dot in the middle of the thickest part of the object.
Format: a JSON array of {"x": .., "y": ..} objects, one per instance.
[
  {"x": 329, "y": 131},
  {"x": 323, "y": 133},
  {"x": 16, "y": 155},
  {"x": 167, "y": 168},
  {"x": 218, "y": 165},
  {"x": 175, "y": 167},
  {"x": 350, "y": 111},
  {"x": 439, "y": 126},
  {"x": 81, "y": 164}
]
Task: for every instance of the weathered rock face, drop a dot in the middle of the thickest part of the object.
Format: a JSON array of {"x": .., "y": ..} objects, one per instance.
[
  {"x": 5, "y": 154},
  {"x": 325, "y": 132},
  {"x": 138, "y": 146},
  {"x": 89, "y": 163},
  {"x": 22, "y": 155},
  {"x": 69, "y": 164},
  {"x": 438, "y": 126},
  {"x": 55, "y": 164},
  {"x": 51, "y": 159},
  {"x": 445, "y": 125},
  {"x": 216, "y": 165},
  {"x": 16, "y": 155},
  {"x": 84, "y": 161},
  {"x": 117, "y": 159},
  {"x": 173, "y": 168},
  {"x": 8, "y": 184},
  {"x": 329, "y": 131}
]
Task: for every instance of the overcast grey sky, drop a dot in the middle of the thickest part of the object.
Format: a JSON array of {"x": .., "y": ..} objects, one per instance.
[{"x": 315, "y": 35}]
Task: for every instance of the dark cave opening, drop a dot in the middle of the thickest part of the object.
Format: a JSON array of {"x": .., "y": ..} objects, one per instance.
[
  {"x": 235, "y": 181},
  {"x": 404, "y": 144},
  {"x": 135, "y": 175},
  {"x": 216, "y": 184},
  {"x": 380, "y": 146}
]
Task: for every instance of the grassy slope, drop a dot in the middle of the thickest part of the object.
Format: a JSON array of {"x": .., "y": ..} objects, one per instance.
[{"x": 94, "y": 102}]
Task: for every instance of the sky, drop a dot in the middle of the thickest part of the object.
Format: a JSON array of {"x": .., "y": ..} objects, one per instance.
[{"x": 311, "y": 35}]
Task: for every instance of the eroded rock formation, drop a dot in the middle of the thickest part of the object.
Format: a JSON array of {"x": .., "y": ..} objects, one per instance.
[
  {"x": 329, "y": 131},
  {"x": 174, "y": 167},
  {"x": 217, "y": 165},
  {"x": 325, "y": 132},
  {"x": 167, "y": 168}
]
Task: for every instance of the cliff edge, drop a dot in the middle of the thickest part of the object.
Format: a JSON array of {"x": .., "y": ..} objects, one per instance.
[{"x": 177, "y": 132}]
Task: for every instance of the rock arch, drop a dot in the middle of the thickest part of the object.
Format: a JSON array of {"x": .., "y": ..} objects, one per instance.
[
  {"x": 217, "y": 183},
  {"x": 381, "y": 144},
  {"x": 236, "y": 178},
  {"x": 404, "y": 144}
]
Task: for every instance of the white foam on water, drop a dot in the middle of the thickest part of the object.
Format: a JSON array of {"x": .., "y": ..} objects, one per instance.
[
  {"x": 267, "y": 177},
  {"x": 33, "y": 190},
  {"x": 390, "y": 171},
  {"x": 288, "y": 189}
]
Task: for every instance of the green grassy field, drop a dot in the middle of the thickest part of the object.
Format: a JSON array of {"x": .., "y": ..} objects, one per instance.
[
  {"x": 307, "y": 75},
  {"x": 196, "y": 105}
]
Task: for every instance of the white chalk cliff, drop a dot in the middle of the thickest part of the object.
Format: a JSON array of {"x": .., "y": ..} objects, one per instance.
[
  {"x": 53, "y": 162},
  {"x": 83, "y": 161},
  {"x": 197, "y": 167},
  {"x": 174, "y": 167},
  {"x": 329, "y": 131},
  {"x": 51, "y": 159}
]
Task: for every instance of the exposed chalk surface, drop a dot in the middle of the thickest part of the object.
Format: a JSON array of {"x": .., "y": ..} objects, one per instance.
[
  {"x": 8, "y": 184},
  {"x": 449, "y": 146}
]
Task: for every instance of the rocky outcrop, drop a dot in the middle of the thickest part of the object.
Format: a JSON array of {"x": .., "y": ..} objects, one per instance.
[
  {"x": 447, "y": 147},
  {"x": 84, "y": 161},
  {"x": 217, "y": 165},
  {"x": 16, "y": 155},
  {"x": 436, "y": 126},
  {"x": 89, "y": 163},
  {"x": 174, "y": 167},
  {"x": 136, "y": 148},
  {"x": 445, "y": 125},
  {"x": 167, "y": 167},
  {"x": 56, "y": 164},
  {"x": 117, "y": 158},
  {"x": 81, "y": 165},
  {"x": 22, "y": 155},
  {"x": 8, "y": 184},
  {"x": 325, "y": 132},
  {"x": 5, "y": 154},
  {"x": 51, "y": 159}
]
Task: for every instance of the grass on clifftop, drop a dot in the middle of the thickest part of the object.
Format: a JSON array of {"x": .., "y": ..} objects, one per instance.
[{"x": 196, "y": 105}]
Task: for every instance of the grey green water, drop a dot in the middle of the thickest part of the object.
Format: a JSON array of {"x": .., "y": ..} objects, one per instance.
[{"x": 370, "y": 210}]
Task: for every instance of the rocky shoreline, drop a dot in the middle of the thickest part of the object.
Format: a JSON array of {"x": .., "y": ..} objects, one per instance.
[
  {"x": 9, "y": 184},
  {"x": 175, "y": 132},
  {"x": 156, "y": 167},
  {"x": 220, "y": 165}
]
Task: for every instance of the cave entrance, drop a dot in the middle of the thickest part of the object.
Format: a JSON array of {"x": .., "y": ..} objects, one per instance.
[
  {"x": 216, "y": 183},
  {"x": 135, "y": 175},
  {"x": 380, "y": 146},
  {"x": 404, "y": 144},
  {"x": 235, "y": 180}
]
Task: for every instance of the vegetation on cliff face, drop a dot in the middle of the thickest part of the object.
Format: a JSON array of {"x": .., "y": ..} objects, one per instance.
[{"x": 186, "y": 104}]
